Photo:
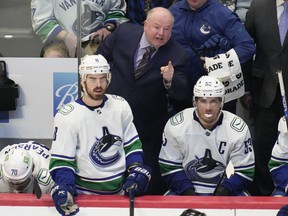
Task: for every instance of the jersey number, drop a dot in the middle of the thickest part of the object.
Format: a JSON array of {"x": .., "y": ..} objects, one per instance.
[
  {"x": 55, "y": 133},
  {"x": 248, "y": 146}
]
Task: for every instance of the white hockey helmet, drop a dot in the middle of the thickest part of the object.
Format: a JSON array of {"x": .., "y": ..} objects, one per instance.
[
  {"x": 209, "y": 86},
  {"x": 94, "y": 64},
  {"x": 18, "y": 167}
]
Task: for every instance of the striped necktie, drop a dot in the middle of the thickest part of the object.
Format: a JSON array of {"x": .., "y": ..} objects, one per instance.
[
  {"x": 144, "y": 61},
  {"x": 283, "y": 24},
  {"x": 147, "y": 6}
]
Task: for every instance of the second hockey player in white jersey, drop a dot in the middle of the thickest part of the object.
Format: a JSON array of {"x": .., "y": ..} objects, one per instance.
[
  {"x": 278, "y": 164},
  {"x": 96, "y": 148},
  {"x": 199, "y": 142},
  {"x": 23, "y": 165}
]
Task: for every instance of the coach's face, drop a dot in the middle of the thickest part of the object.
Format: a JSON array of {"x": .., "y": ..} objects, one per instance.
[
  {"x": 158, "y": 28},
  {"x": 195, "y": 4}
]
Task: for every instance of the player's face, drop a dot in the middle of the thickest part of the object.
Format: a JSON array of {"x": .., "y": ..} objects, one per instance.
[
  {"x": 158, "y": 29},
  {"x": 208, "y": 110},
  {"x": 96, "y": 85},
  {"x": 195, "y": 4}
]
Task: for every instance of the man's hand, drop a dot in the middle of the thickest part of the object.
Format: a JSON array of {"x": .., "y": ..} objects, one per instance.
[
  {"x": 246, "y": 101},
  {"x": 167, "y": 73},
  {"x": 101, "y": 34},
  {"x": 138, "y": 180},
  {"x": 70, "y": 41},
  {"x": 63, "y": 198}
]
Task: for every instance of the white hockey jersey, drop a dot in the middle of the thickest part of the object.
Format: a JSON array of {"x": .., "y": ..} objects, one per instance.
[
  {"x": 41, "y": 157},
  {"x": 49, "y": 17},
  {"x": 204, "y": 154},
  {"x": 97, "y": 143},
  {"x": 278, "y": 163}
]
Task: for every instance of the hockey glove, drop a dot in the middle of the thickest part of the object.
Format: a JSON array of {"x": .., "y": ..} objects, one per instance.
[
  {"x": 63, "y": 198},
  {"x": 222, "y": 191},
  {"x": 216, "y": 44},
  {"x": 138, "y": 180}
]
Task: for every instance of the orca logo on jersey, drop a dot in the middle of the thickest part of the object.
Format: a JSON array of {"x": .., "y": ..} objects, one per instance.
[
  {"x": 105, "y": 151},
  {"x": 91, "y": 19},
  {"x": 204, "y": 169}
]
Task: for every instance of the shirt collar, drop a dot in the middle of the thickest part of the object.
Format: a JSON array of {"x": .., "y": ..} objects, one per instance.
[
  {"x": 144, "y": 42},
  {"x": 279, "y": 2},
  {"x": 81, "y": 102}
]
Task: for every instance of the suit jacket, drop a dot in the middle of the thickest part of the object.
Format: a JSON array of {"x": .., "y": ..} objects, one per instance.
[
  {"x": 147, "y": 95},
  {"x": 261, "y": 78}
]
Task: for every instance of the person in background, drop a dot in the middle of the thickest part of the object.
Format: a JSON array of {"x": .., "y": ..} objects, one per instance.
[
  {"x": 25, "y": 169},
  {"x": 54, "y": 49},
  {"x": 263, "y": 98},
  {"x": 57, "y": 19},
  {"x": 206, "y": 28},
  {"x": 278, "y": 165},
  {"x": 241, "y": 9},
  {"x": 231, "y": 4},
  {"x": 137, "y": 10},
  {"x": 96, "y": 149},
  {"x": 198, "y": 144},
  {"x": 146, "y": 86}
]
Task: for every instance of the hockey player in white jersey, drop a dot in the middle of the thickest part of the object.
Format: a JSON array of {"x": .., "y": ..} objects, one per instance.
[
  {"x": 24, "y": 168},
  {"x": 96, "y": 148},
  {"x": 278, "y": 164},
  {"x": 199, "y": 142},
  {"x": 57, "y": 19}
]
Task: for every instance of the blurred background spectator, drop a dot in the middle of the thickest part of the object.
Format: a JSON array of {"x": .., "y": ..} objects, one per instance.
[{"x": 56, "y": 19}]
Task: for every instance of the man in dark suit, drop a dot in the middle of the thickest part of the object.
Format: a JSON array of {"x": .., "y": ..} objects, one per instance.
[
  {"x": 147, "y": 93},
  {"x": 264, "y": 98}
]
